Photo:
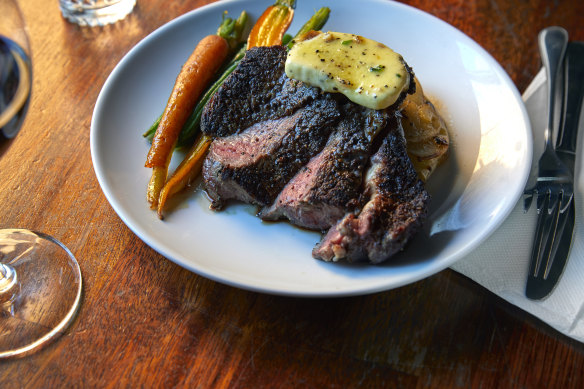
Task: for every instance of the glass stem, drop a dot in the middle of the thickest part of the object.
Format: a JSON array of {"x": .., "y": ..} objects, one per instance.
[{"x": 8, "y": 281}]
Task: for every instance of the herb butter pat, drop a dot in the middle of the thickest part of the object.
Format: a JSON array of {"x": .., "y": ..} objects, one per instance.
[{"x": 367, "y": 72}]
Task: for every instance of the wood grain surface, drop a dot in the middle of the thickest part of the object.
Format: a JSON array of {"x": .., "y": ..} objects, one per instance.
[{"x": 146, "y": 322}]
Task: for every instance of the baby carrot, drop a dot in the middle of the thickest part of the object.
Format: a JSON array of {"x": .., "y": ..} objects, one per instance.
[
  {"x": 192, "y": 80},
  {"x": 272, "y": 24},
  {"x": 187, "y": 171}
]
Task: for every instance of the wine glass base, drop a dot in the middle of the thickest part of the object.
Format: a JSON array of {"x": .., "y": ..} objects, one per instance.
[{"x": 45, "y": 297}]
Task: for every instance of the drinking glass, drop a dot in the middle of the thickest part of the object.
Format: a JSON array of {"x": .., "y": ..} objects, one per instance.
[
  {"x": 94, "y": 13},
  {"x": 40, "y": 280}
]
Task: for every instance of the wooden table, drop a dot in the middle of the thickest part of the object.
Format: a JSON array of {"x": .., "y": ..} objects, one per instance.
[{"x": 145, "y": 321}]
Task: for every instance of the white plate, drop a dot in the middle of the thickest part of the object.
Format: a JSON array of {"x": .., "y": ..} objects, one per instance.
[{"x": 472, "y": 192}]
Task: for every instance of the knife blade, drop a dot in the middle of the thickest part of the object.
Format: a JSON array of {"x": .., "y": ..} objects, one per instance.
[
  {"x": 538, "y": 288},
  {"x": 572, "y": 106}
]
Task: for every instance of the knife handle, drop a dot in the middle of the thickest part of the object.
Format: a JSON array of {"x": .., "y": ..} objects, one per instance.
[{"x": 573, "y": 96}]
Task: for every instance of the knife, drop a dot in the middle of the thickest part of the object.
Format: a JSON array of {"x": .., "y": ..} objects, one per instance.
[
  {"x": 573, "y": 97},
  {"x": 538, "y": 288}
]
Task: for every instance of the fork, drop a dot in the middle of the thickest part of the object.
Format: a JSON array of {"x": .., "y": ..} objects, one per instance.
[{"x": 554, "y": 187}]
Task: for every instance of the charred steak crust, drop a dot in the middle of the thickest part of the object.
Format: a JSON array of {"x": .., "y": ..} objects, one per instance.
[
  {"x": 396, "y": 209},
  {"x": 257, "y": 90},
  {"x": 267, "y": 154},
  {"x": 341, "y": 176},
  {"x": 331, "y": 184}
]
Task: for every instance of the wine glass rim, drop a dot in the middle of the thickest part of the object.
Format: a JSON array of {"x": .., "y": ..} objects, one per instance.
[{"x": 22, "y": 93}]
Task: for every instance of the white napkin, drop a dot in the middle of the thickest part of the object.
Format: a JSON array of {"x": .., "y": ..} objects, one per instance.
[{"x": 501, "y": 263}]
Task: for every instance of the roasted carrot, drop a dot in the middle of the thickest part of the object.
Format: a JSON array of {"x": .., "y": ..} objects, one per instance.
[
  {"x": 197, "y": 72},
  {"x": 193, "y": 78},
  {"x": 189, "y": 130},
  {"x": 269, "y": 30},
  {"x": 187, "y": 171},
  {"x": 272, "y": 24},
  {"x": 232, "y": 30}
]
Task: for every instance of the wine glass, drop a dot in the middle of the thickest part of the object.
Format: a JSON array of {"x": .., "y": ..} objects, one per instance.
[{"x": 40, "y": 280}]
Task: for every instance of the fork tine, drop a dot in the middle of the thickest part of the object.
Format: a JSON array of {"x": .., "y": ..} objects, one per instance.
[
  {"x": 553, "y": 242},
  {"x": 554, "y": 200},
  {"x": 541, "y": 237},
  {"x": 541, "y": 199},
  {"x": 567, "y": 197}
]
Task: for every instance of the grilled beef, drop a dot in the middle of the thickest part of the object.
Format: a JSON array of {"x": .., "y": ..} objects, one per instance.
[
  {"x": 268, "y": 125},
  {"x": 304, "y": 155},
  {"x": 254, "y": 165},
  {"x": 395, "y": 211},
  {"x": 330, "y": 184},
  {"x": 256, "y": 91}
]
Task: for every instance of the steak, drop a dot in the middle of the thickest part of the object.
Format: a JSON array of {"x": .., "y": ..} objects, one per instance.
[
  {"x": 254, "y": 165},
  {"x": 305, "y": 155},
  {"x": 256, "y": 91},
  {"x": 397, "y": 207},
  {"x": 331, "y": 183},
  {"x": 269, "y": 126}
]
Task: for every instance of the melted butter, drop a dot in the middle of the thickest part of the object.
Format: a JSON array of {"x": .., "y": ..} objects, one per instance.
[{"x": 367, "y": 72}]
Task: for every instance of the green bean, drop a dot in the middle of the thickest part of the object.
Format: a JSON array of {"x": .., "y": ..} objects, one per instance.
[{"x": 316, "y": 22}]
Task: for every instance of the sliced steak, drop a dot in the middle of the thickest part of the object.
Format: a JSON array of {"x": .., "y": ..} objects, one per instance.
[
  {"x": 302, "y": 154},
  {"x": 267, "y": 127},
  {"x": 256, "y": 91},
  {"x": 331, "y": 183},
  {"x": 254, "y": 165},
  {"x": 395, "y": 211}
]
